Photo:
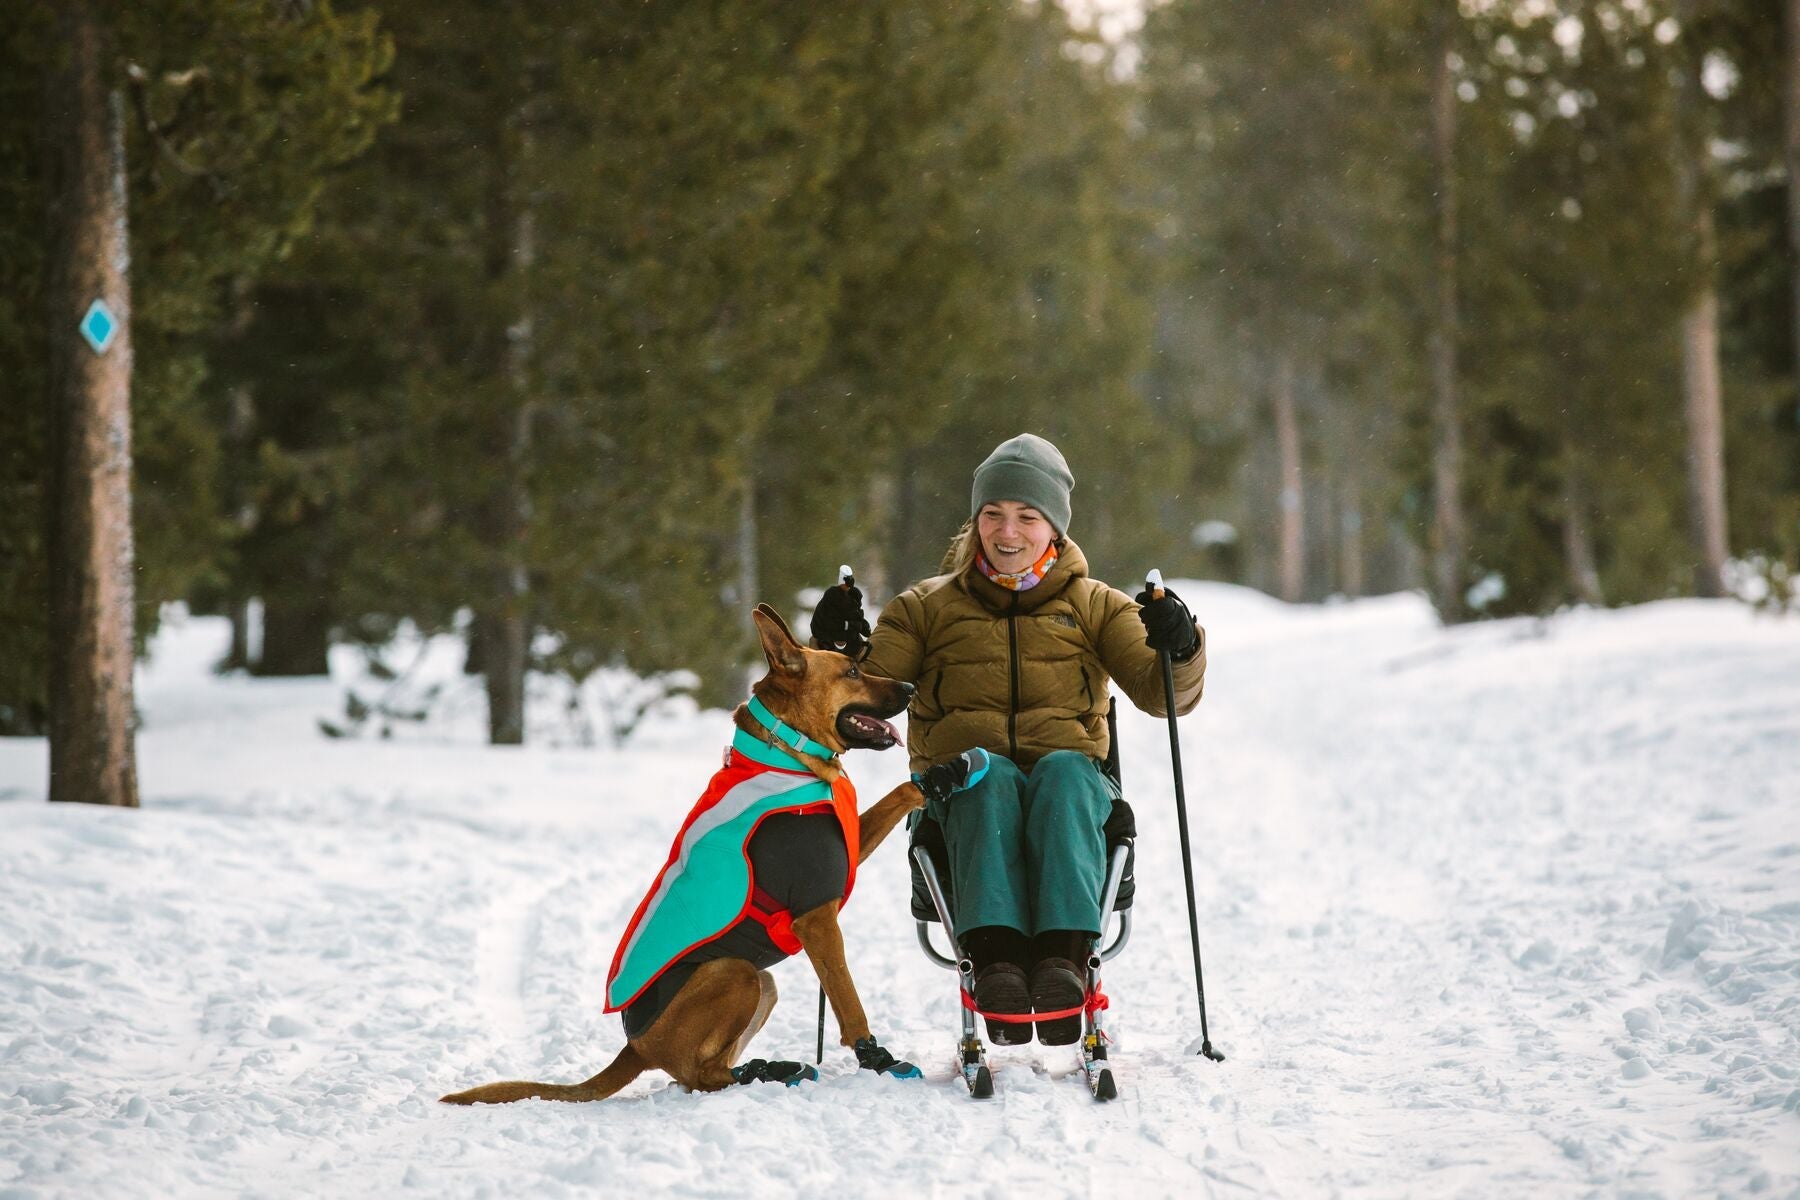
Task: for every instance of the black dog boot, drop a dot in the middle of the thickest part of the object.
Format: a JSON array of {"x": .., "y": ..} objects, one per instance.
[
  {"x": 1001, "y": 987},
  {"x": 1056, "y": 985},
  {"x": 761, "y": 1070},
  {"x": 871, "y": 1057}
]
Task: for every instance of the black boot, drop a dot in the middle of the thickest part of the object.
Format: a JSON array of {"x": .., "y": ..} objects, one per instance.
[
  {"x": 1000, "y": 982},
  {"x": 1056, "y": 985},
  {"x": 1059, "y": 981},
  {"x": 1002, "y": 988}
]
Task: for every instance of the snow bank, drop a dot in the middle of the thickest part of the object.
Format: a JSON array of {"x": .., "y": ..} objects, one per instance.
[{"x": 1511, "y": 909}]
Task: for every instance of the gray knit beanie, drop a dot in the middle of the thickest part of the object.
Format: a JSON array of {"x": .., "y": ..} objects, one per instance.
[{"x": 1030, "y": 470}]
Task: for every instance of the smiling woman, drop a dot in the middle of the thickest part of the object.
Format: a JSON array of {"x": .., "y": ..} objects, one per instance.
[{"x": 1012, "y": 650}]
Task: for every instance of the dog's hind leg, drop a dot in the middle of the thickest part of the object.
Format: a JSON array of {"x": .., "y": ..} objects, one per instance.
[
  {"x": 764, "y": 1006},
  {"x": 621, "y": 1071},
  {"x": 696, "y": 1037}
]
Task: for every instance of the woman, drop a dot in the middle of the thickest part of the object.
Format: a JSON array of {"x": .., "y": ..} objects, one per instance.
[{"x": 1011, "y": 650}]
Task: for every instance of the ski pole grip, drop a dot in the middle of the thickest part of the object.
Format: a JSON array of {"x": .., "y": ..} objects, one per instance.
[{"x": 1153, "y": 584}]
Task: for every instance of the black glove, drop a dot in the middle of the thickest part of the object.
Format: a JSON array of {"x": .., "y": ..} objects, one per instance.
[
  {"x": 940, "y": 781},
  {"x": 1168, "y": 625},
  {"x": 838, "y": 622}
]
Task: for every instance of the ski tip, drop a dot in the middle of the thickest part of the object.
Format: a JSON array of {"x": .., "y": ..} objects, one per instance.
[
  {"x": 1104, "y": 1087},
  {"x": 982, "y": 1086}
]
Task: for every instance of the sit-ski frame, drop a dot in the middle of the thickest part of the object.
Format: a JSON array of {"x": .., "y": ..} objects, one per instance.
[{"x": 971, "y": 1054}]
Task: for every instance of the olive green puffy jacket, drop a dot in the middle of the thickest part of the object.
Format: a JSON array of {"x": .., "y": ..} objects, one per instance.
[{"x": 1020, "y": 673}]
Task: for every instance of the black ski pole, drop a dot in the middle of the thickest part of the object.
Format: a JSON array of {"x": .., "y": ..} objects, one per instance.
[{"x": 1154, "y": 585}]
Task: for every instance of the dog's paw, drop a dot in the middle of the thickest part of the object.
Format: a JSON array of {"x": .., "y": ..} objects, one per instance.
[
  {"x": 942, "y": 780},
  {"x": 759, "y": 1070},
  {"x": 870, "y": 1056}
]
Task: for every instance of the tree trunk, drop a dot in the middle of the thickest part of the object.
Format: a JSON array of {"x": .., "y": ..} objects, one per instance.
[
  {"x": 237, "y": 658},
  {"x": 1578, "y": 538},
  {"x": 296, "y": 637},
  {"x": 1351, "y": 573},
  {"x": 749, "y": 568},
  {"x": 1448, "y": 537},
  {"x": 1292, "y": 499},
  {"x": 472, "y": 657},
  {"x": 506, "y": 621},
  {"x": 240, "y": 436},
  {"x": 1702, "y": 394},
  {"x": 1701, "y": 388},
  {"x": 92, "y": 755},
  {"x": 1792, "y": 120}
]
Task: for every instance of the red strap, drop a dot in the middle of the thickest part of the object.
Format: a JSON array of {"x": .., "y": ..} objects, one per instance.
[
  {"x": 775, "y": 920},
  {"x": 1093, "y": 1002}
]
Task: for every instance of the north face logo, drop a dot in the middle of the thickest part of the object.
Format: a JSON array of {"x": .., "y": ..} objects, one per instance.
[{"x": 1064, "y": 619}]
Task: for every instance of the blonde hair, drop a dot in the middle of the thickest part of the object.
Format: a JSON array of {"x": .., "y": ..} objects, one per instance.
[{"x": 961, "y": 551}]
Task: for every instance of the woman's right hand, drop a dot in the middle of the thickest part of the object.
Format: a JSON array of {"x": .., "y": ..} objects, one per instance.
[{"x": 839, "y": 623}]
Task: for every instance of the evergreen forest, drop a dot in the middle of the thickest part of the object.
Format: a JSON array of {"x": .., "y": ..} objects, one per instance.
[{"x": 578, "y": 329}]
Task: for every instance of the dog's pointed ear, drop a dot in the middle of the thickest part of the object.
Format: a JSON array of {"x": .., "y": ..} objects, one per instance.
[
  {"x": 780, "y": 622},
  {"x": 778, "y": 643}
]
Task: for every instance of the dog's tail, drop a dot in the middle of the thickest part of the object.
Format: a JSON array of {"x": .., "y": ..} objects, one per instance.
[{"x": 623, "y": 1069}]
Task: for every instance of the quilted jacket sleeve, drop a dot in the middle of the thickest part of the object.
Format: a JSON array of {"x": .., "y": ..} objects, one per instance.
[
  {"x": 1119, "y": 639},
  {"x": 897, "y": 647}
]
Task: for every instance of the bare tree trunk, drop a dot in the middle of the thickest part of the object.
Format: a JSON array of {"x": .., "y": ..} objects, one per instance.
[
  {"x": 296, "y": 637},
  {"x": 237, "y": 658},
  {"x": 1702, "y": 394},
  {"x": 1791, "y": 109},
  {"x": 240, "y": 432},
  {"x": 1701, "y": 387},
  {"x": 1448, "y": 536},
  {"x": 1577, "y": 536},
  {"x": 92, "y": 754},
  {"x": 1293, "y": 496},
  {"x": 1352, "y": 575},
  {"x": 749, "y": 575},
  {"x": 506, "y": 623},
  {"x": 749, "y": 565}
]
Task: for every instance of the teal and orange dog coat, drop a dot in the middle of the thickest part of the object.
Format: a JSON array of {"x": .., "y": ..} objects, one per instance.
[{"x": 708, "y": 884}]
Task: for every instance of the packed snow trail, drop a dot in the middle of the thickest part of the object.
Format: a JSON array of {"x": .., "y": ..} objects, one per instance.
[{"x": 1509, "y": 909}]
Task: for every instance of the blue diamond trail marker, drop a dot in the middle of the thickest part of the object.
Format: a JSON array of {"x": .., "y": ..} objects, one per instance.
[{"x": 99, "y": 326}]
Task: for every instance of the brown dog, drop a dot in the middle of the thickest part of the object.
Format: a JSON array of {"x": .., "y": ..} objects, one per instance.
[{"x": 725, "y": 1002}]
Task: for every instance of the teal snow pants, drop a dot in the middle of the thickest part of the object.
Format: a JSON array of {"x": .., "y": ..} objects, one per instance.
[{"x": 1027, "y": 851}]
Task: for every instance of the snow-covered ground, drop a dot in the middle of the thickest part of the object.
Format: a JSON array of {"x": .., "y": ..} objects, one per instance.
[{"x": 1503, "y": 911}]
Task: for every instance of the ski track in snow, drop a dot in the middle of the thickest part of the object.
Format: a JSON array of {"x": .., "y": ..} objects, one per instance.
[{"x": 1509, "y": 909}]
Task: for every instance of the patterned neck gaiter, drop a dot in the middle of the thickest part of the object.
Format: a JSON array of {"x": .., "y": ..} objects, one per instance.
[{"x": 1025, "y": 580}]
